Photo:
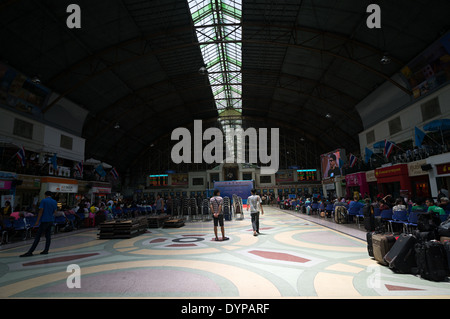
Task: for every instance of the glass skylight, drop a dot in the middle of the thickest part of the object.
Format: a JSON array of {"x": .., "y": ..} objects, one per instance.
[{"x": 219, "y": 32}]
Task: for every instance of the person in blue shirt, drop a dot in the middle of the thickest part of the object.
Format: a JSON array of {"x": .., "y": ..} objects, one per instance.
[
  {"x": 47, "y": 209},
  {"x": 354, "y": 207}
]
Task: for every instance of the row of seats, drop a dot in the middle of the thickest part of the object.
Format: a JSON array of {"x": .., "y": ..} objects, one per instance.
[
  {"x": 25, "y": 227},
  {"x": 407, "y": 219}
]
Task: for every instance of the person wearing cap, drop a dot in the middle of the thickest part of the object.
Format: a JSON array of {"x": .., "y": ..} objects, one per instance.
[
  {"x": 334, "y": 168},
  {"x": 47, "y": 209}
]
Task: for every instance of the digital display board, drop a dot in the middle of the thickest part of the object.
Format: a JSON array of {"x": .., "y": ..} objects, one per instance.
[
  {"x": 158, "y": 180},
  {"x": 306, "y": 175}
]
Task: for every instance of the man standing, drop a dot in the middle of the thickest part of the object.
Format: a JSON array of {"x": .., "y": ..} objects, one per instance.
[
  {"x": 159, "y": 204},
  {"x": 252, "y": 203},
  {"x": 47, "y": 209},
  {"x": 216, "y": 203}
]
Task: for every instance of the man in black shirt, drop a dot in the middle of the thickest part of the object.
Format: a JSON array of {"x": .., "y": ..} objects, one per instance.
[{"x": 334, "y": 169}]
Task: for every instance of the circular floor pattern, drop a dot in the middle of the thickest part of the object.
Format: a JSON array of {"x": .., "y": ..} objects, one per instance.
[{"x": 291, "y": 258}]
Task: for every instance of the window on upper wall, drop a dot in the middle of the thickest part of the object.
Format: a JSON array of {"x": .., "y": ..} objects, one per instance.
[
  {"x": 395, "y": 126},
  {"x": 265, "y": 179},
  {"x": 23, "y": 129},
  {"x": 430, "y": 109},
  {"x": 66, "y": 142},
  {"x": 370, "y": 137},
  {"x": 198, "y": 181}
]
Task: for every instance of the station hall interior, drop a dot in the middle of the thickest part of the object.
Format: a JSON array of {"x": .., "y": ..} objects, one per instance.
[{"x": 130, "y": 101}]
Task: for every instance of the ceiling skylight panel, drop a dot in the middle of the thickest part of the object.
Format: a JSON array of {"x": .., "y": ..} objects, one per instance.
[{"x": 219, "y": 30}]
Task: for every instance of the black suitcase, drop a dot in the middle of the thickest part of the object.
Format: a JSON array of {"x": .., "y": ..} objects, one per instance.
[
  {"x": 431, "y": 260},
  {"x": 447, "y": 252},
  {"x": 401, "y": 258},
  {"x": 369, "y": 243},
  {"x": 369, "y": 217}
]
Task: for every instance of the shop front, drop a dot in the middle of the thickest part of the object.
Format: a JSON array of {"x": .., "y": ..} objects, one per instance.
[
  {"x": 372, "y": 183},
  {"x": 64, "y": 190},
  {"x": 394, "y": 180},
  {"x": 356, "y": 184},
  {"x": 27, "y": 193},
  {"x": 7, "y": 188},
  {"x": 420, "y": 183},
  {"x": 333, "y": 187},
  {"x": 100, "y": 192}
]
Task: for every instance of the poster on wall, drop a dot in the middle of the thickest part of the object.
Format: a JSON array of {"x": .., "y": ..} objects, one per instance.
[
  {"x": 21, "y": 92},
  {"x": 332, "y": 163},
  {"x": 8, "y": 198},
  {"x": 239, "y": 188},
  {"x": 179, "y": 179},
  {"x": 284, "y": 176},
  {"x": 431, "y": 69}
]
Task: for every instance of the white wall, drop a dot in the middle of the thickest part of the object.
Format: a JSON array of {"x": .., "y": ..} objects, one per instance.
[
  {"x": 410, "y": 117},
  {"x": 7, "y": 119},
  {"x": 44, "y": 138},
  {"x": 52, "y": 140}
]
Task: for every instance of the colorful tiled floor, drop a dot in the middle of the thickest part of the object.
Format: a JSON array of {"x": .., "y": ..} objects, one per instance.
[{"x": 293, "y": 257}]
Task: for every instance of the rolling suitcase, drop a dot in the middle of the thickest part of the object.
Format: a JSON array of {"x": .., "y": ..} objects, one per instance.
[
  {"x": 431, "y": 259},
  {"x": 370, "y": 243},
  {"x": 369, "y": 217},
  {"x": 447, "y": 252},
  {"x": 382, "y": 244},
  {"x": 401, "y": 258}
]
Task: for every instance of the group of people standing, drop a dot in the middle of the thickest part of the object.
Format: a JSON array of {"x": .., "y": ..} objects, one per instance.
[{"x": 254, "y": 205}]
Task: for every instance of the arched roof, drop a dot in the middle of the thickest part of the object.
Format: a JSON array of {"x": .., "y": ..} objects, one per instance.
[{"x": 136, "y": 63}]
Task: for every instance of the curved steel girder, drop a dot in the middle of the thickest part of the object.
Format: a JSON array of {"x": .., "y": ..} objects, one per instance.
[
  {"x": 108, "y": 126},
  {"x": 323, "y": 147},
  {"x": 196, "y": 44},
  {"x": 7, "y": 3},
  {"x": 135, "y": 104},
  {"x": 162, "y": 126},
  {"x": 244, "y": 24},
  {"x": 306, "y": 153},
  {"x": 187, "y": 76},
  {"x": 351, "y": 116}
]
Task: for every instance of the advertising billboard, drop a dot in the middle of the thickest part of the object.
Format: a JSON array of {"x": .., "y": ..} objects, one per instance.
[{"x": 332, "y": 163}]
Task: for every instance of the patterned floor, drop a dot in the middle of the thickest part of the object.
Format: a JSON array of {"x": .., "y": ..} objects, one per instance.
[{"x": 292, "y": 258}]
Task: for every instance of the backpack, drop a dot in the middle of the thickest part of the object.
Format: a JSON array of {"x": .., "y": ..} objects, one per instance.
[
  {"x": 340, "y": 214},
  {"x": 428, "y": 222}
]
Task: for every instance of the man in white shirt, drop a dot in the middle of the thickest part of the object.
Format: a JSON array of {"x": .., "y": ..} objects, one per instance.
[
  {"x": 253, "y": 202},
  {"x": 216, "y": 203}
]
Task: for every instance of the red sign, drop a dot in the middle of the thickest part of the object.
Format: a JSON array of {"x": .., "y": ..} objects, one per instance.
[
  {"x": 443, "y": 169},
  {"x": 395, "y": 170},
  {"x": 5, "y": 184}
]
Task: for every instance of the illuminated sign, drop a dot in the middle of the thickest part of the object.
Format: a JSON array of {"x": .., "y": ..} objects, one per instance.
[{"x": 304, "y": 175}]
